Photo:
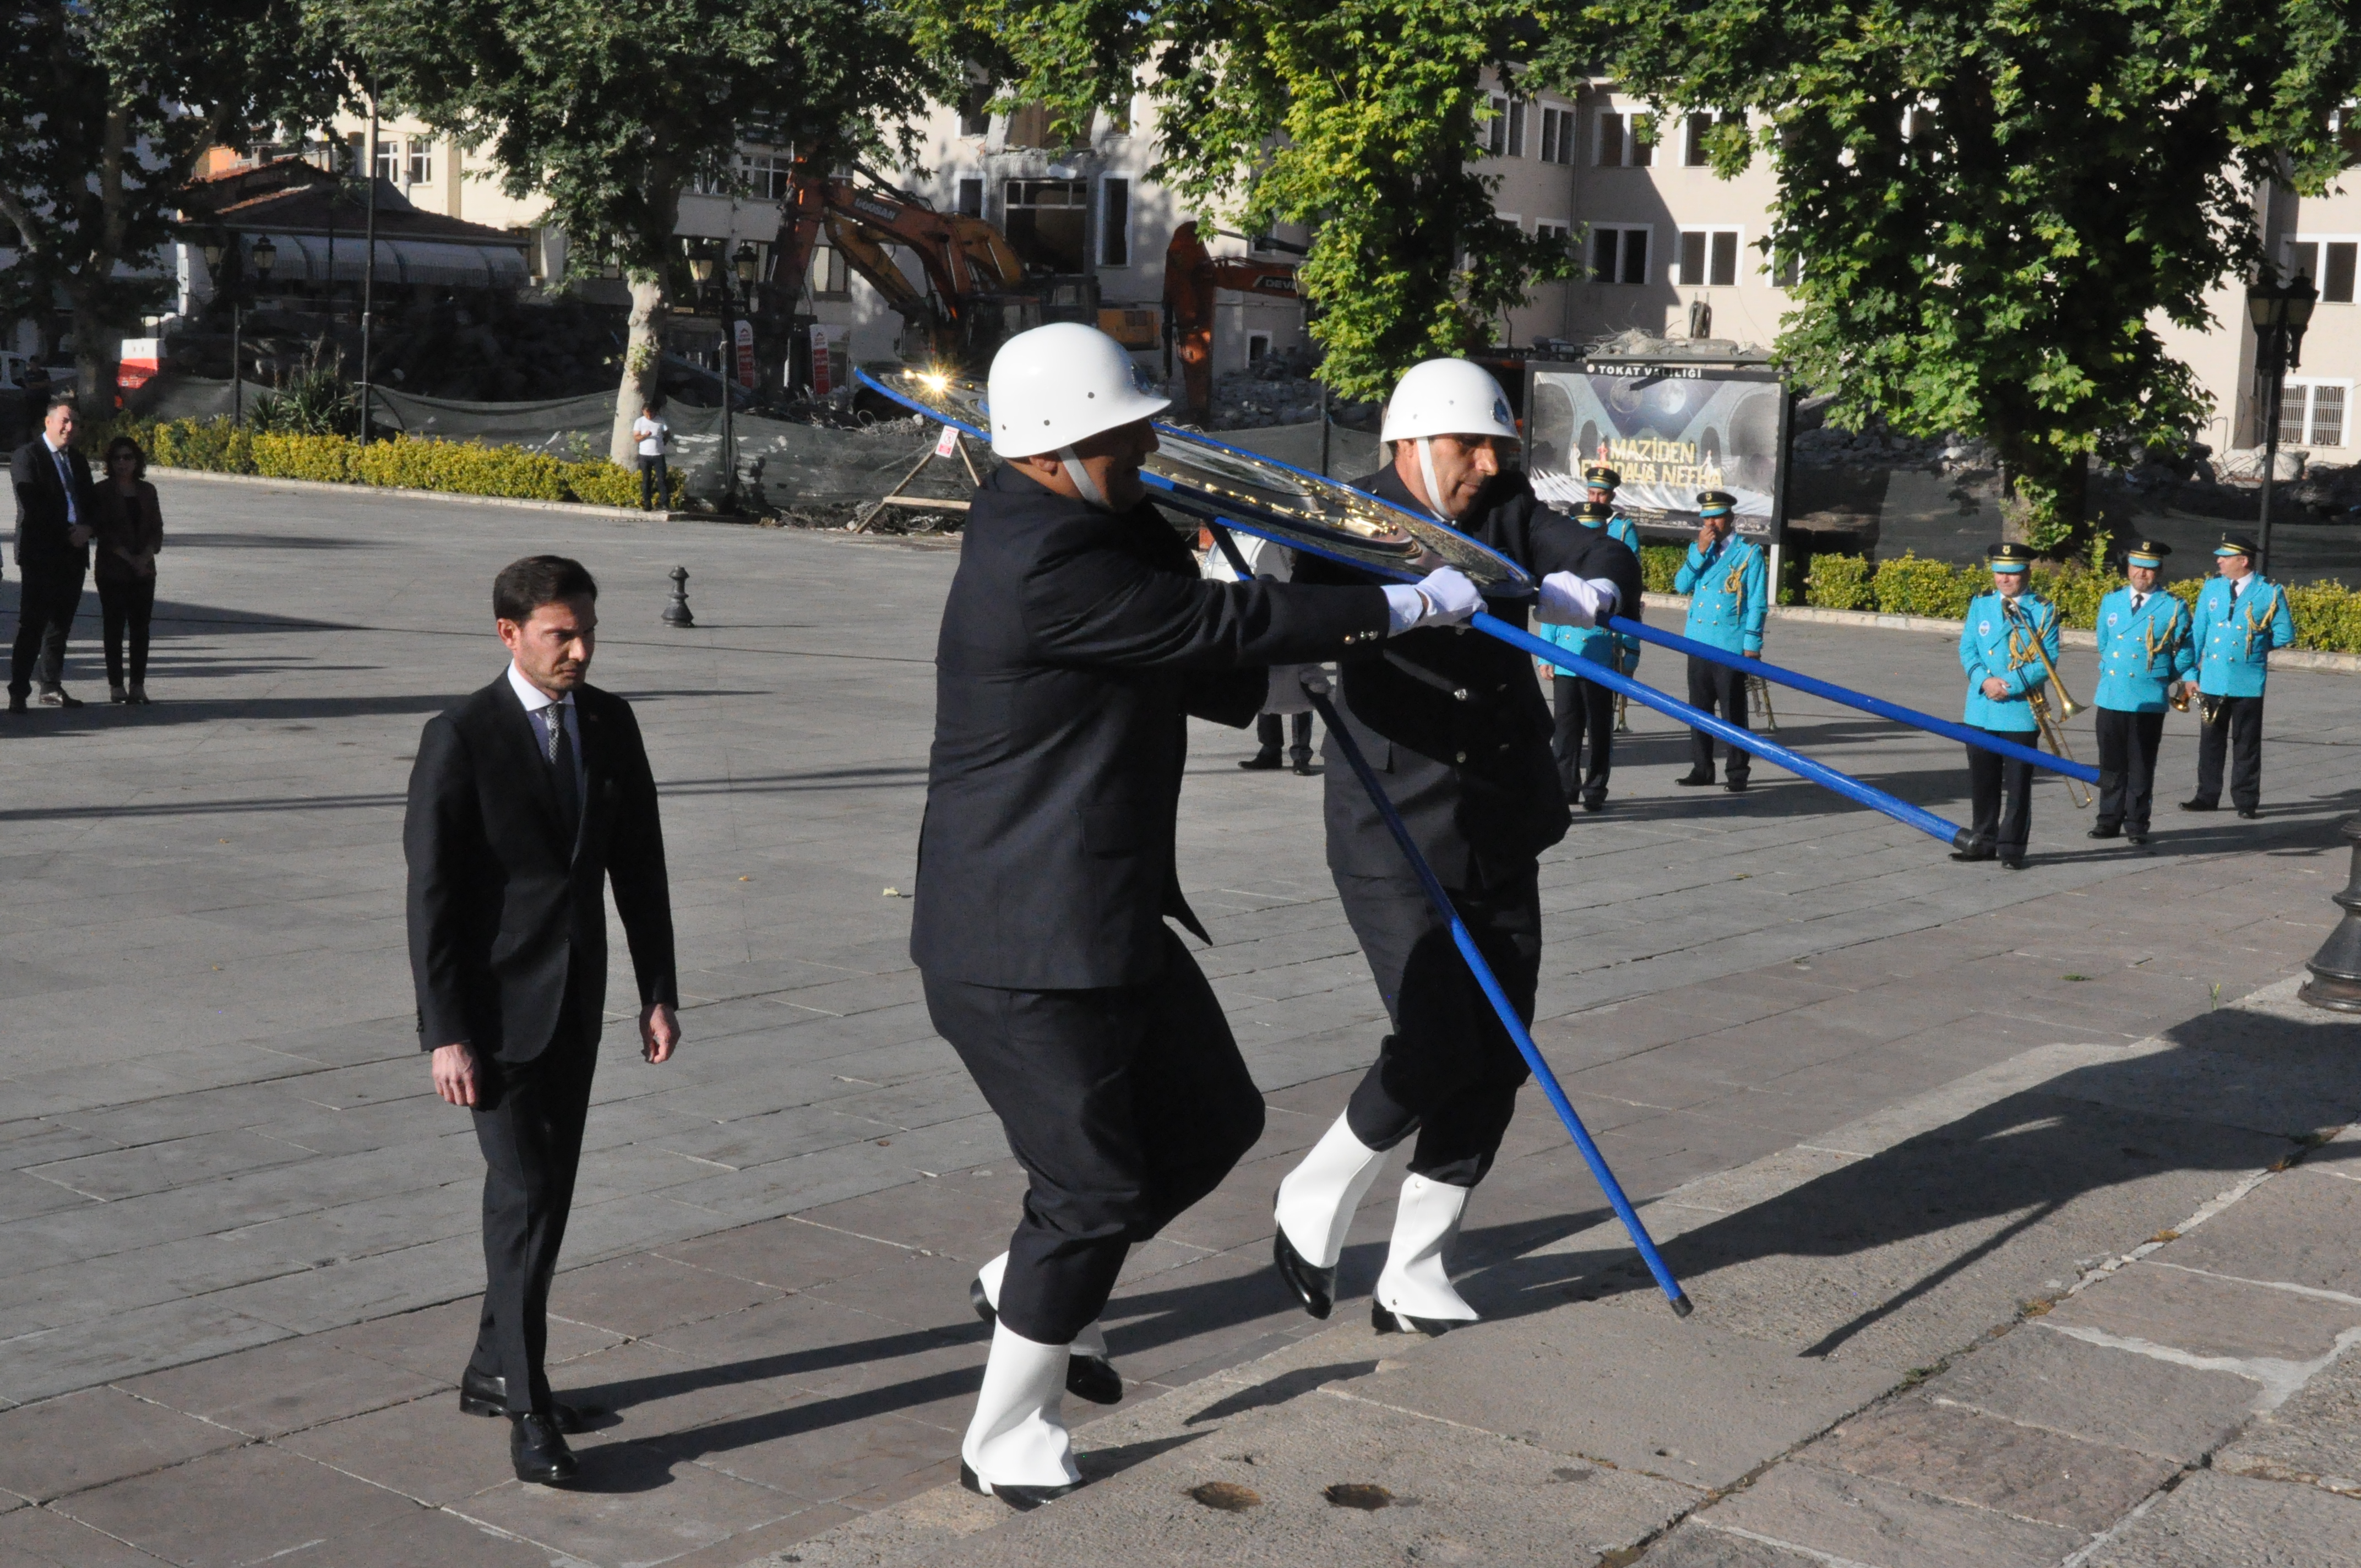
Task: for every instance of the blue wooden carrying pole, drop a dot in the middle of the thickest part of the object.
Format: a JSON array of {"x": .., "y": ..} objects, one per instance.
[
  {"x": 1851, "y": 698},
  {"x": 1482, "y": 969}
]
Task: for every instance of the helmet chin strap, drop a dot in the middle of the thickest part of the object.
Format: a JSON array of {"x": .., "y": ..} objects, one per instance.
[
  {"x": 1083, "y": 480},
  {"x": 1426, "y": 472}
]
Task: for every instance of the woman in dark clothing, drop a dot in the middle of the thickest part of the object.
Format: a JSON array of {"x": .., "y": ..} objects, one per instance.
[{"x": 130, "y": 532}]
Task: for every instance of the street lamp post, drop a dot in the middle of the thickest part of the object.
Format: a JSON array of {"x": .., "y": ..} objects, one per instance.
[
  {"x": 2280, "y": 312},
  {"x": 701, "y": 267},
  {"x": 264, "y": 255}
]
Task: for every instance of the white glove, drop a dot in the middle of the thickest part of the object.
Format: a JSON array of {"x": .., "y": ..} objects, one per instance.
[
  {"x": 1569, "y": 600},
  {"x": 1442, "y": 597}
]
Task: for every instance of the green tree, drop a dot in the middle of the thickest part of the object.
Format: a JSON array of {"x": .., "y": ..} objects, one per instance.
[
  {"x": 610, "y": 108},
  {"x": 1356, "y": 119},
  {"x": 1994, "y": 203},
  {"x": 107, "y": 105}
]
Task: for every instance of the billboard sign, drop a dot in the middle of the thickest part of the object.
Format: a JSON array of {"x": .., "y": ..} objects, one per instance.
[{"x": 1670, "y": 430}]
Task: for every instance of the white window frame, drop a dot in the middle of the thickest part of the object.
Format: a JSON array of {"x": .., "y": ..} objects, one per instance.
[
  {"x": 1590, "y": 247},
  {"x": 1628, "y": 143},
  {"x": 1496, "y": 129},
  {"x": 1108, "y": 229},
  {"x": 1520, "y": 111},
  {"x": 2320, "y": 260},
  {"x": 386, "y": 163},
  {"x": 1560, "y": 127},
  {"x": 1692, "y": 155},
  {"x": 1738, "y": 264},
  {"x": 418, "y": 152},
  {"x": 2309, "y": 386}
]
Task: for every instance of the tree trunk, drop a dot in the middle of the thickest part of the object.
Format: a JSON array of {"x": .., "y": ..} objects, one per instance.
[
  {"x": 98, "y": 335},
  {"x": 98, "y": 359},
  {"x": 642, "y": 364}
]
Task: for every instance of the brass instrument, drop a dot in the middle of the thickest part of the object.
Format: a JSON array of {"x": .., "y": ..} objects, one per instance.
[
  {"x": 1758, "y": 690},
  {"x": 2052, "y": 723}
]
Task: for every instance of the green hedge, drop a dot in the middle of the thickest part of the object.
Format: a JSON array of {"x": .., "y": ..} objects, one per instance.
[{"x": 453, "y": 467}]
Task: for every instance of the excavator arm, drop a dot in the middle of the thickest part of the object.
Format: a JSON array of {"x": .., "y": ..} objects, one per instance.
[{"x": 1192, "y": 274}]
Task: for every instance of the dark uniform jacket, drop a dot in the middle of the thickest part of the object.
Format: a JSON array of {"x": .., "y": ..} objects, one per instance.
[
  {"x": 1454, "y": 720},
  {"x": 1075, "y": 644},
  {"x": 504, "y": 914},
  {"x": 42, "y": 548}
]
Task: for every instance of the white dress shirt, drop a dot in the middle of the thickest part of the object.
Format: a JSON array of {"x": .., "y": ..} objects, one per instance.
[{"x": 536, "y": 704}]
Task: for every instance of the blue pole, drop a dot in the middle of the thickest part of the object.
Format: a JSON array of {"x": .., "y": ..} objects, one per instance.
[
  {"x": 1481, "y": 970},
  {"x": 1851, "y": 698}
]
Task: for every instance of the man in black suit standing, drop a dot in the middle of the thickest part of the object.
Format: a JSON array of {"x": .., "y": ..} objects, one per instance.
[
  {"x": 525, "y": 800},
  {"x": 53, "y": 527},
  {"x": 1078, "y": 639}
]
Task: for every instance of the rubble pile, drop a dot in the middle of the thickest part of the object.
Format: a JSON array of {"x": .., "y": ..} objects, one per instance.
[{"x": 1280, "y": 391}]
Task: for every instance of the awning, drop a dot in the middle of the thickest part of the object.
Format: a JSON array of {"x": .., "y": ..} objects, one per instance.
[{"x": 442, "y": 263}]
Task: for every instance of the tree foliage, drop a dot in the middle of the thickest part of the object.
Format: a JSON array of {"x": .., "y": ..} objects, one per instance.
[
  {"x": 106, "y": 106},
  {"x": 1995, "y": 202},
  {"x": 1357, "y": 119},
  {"x": 610, "y": 108}
]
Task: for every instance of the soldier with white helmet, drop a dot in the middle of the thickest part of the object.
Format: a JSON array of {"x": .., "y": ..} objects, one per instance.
[
  {"x": 1076, "y": 640},
  {"x": 1459, "y": 733}
]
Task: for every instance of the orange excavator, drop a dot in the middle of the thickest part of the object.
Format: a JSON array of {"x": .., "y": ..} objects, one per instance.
[
  {"x": 969, "y": 264},
  {"x": 1192, "y": 275}
]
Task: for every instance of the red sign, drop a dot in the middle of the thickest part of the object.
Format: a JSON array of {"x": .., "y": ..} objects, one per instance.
[
  {"x": 744, "y": 331},
  {"x": 823, "y": 380}
]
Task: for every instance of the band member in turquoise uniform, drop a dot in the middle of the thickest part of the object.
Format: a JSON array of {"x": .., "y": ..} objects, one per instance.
[
  {"x": 2241, "y": 616},
  {"x": 2145, "y": 660},
  {"x": 1729, "y": 590},
  {"x": 1997, "y": 651},
  {"x": 1584, "y": 710}
]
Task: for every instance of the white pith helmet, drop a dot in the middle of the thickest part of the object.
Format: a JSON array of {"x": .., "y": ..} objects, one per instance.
[
  {"x": 1447, "y": 397},
  {"x": 1062, "y": 383}
]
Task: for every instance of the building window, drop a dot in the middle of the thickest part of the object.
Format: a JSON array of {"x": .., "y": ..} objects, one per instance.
[
  {"x": 1694, "y": 152},
  {"x": 970, "y": 198},
  {"x": 1626, "y": 141},
  {"x": 1496, "y": 132},
  {"x": 767, "y": 176},
  {"x": 1557, "y": 136},
  {"x": 1029, "y": 126},
  {"x": 828, "y": 274},
  {"x": 975, "y": 110},
  {"x": 1516, "y": 128},
  {"x": 388, "y": 160},
  {"x": 1618, "y": 254},
  {"x": 1786, "y": 267},
  {"x": 1562, "y": 233},
  {"x": 2312, "y": 413},
  {"x": 1115, "y": 223},
  {"x": 1708, "y": 258},
  {"x": 1258, "y": 347},
  {"x": 2329, "y": 263},
  {"x": 422, "y": 162},
  {"x": 1045, "y": 223}
]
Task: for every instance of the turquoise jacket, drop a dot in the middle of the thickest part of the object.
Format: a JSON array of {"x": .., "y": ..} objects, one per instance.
[
  {"x": 1614, "y": 649},
  {"x": 2233, "y": 650},
  {"x": 1728, "y": 592},
  {"x": 1994, "y": 643},
  {"x": 2141, "y": 652}
]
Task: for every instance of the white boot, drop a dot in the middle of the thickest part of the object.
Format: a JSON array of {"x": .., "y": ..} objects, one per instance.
[
  {"x": 1314, "y": 1209},
  {"x": 1015, "y": 1448},
  {"x": 1414, "y": 1290},
  {"x": 1092, "y": 1377}
]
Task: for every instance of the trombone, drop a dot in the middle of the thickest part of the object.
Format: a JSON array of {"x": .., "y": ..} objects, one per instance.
[{"x": 2052, "y": 723}]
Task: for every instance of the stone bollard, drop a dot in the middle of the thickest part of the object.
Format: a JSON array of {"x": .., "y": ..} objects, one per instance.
[
  {"x": 676, "y": 613},
  {"x": 2336, "y": 982}
]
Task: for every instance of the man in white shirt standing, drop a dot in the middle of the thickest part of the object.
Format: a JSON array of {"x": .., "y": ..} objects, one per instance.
[{"x": 653, "y": 435}]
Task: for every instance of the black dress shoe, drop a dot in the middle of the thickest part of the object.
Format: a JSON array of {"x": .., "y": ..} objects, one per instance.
[
  {"x": 1260, "y": 763},
  {"x": 2136, "y": 840},
  {"x": 481, "y": 1394},
  {"x": 2250, "y": 813},
  {"x": 16, "y": 702},
  {"x": 1304, "y": 770},
  {"x": 1735, "y": 786},
  {"x": 1694, "y": 781},
  {"x": 1387, "y": 1322},
  {"x": 2105, "y": 830},
  {"x": 539, "y": 1453},
  {"x": 2011, "y": 863},
  {"x": 1314, "y": 1286},
  {"x": 1092, "y": 1377},
  {"x": 1594, "y": 801},
  {"x": 2199, "y": 805},
  {"x": 1973, "y": 852},
  {"x": 57, "y": 697},
  {"x": 1024, "y": 1499}
]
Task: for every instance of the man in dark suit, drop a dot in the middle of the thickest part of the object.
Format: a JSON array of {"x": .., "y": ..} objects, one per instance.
[
  {"x": 1077, "y": 641},
  {"x": 525, "y": 800},
  {"x": 1458, "y": 732},
  {"x": 54, "y": 514}
]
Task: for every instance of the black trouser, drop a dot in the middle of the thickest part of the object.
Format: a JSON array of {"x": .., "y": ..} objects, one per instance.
[
  {"x": 655, "y": 482},
  {"x": 1582, "y": 707},
  {"x": 528, "y": 1118},
  {"x": 1125, "y": 1105},
  {"x": 2001, "y": 823},
  {"x": 2127, "y": 743},
  {"x": 126, "y": 605},
  {"x": 1449, "y": 1071},
  {"x": 1717, "y": 686},
  {"x": 45, "y": 603},
  {"x": 2237, "y": 728},
  {"x": 1270, "y": 734}
]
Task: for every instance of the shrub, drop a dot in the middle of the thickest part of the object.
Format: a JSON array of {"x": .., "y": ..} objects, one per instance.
[
  {"x": 1659, "y": 564},
  {"x": 2327, "y": 616},
  {"x": 1838, "y": 582},
  {"x": 1910, "y": 586},
  {"x": 606, "y": 484}
]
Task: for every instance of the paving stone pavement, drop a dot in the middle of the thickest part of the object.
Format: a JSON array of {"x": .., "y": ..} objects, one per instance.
[{"x": 236, "y": 1233}]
